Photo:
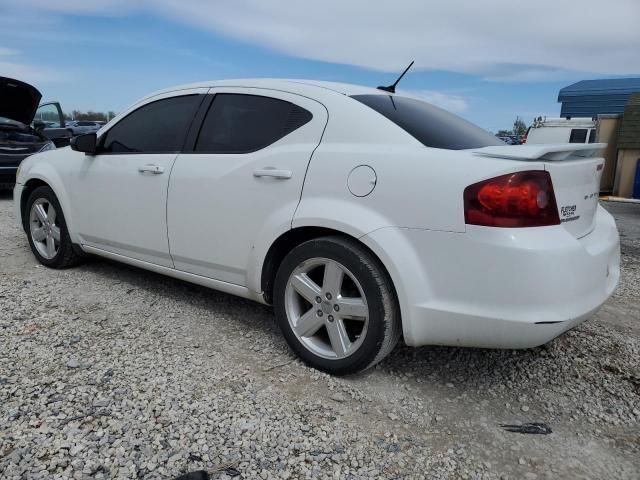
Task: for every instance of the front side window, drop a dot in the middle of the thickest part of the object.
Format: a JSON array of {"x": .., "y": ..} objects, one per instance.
[
  {"x": 592, "y": 136},
  {"x": 157, "y": 127},
  {"x": 431, "y": 126},
  {"x": 578, "y": 135},
  {"x": 238, "y": 123}
]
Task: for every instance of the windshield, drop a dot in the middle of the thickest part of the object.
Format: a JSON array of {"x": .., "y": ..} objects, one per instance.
[{"x": 430, "y": 125}]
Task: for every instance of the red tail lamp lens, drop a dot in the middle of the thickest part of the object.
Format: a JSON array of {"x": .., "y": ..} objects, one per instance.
[{"x": 522, "y": 199}]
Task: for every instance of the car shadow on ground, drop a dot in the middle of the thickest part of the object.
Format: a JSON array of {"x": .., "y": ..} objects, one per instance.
[{"x": 476, "y": 367}]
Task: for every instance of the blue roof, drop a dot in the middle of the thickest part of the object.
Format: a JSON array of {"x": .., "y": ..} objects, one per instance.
[{"x": 589, "y": 98}]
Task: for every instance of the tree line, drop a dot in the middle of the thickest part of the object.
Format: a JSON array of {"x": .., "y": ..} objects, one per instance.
[{"x": 89, "y": 115}]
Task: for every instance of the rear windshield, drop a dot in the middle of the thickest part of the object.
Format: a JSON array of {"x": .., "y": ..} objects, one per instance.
[{"x": 430, "y": 125}]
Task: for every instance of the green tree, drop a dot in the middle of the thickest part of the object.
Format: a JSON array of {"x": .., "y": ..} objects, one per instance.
[
  {"x": 519, "y": 127},
  {"x": 504, "y": 133}
]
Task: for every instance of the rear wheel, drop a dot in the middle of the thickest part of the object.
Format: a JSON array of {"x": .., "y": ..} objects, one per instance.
[
  {"x": 47, "y": 230},
  {"x": 336, "y": 305}
]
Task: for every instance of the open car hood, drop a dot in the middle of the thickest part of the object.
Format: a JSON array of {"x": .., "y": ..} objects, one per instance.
[{"x": 18, "y": 100}]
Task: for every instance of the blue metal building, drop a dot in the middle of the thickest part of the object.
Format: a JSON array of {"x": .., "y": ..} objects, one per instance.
[{"x": 589, "y": 98}]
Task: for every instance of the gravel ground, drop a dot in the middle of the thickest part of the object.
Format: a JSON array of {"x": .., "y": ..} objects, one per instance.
[{"x": 107, "y": 371}]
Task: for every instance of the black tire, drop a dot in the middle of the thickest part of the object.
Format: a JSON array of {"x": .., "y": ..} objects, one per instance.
[
  {"x": 384, "y": 326},
  {"x": 67, "y": 254}
]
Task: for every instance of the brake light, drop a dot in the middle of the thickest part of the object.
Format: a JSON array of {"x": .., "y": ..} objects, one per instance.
[{"x": 521, "y": 199}]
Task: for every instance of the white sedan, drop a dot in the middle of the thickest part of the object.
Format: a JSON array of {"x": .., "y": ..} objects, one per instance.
[{"x": 361, "y": 215}]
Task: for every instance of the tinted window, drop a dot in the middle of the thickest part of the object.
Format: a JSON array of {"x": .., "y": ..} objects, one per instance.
[
  {"x": 156, "y": 127},
  {"x": 578, "y": 135},
  {"x": 592, "y": 136},
  {"x": 430, "y": 125},
  {"x": 246, "y": 123}
]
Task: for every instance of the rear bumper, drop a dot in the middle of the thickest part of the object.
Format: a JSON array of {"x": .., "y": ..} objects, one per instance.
[{"x": 499, "y": 288}]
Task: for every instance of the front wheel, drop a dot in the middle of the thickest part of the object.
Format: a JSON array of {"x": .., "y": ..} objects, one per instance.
[
  {"x": 47, "y": 230},
  {"x": 336, "y": 305}
]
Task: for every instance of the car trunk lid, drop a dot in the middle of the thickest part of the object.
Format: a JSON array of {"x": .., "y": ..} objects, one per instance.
[{"x": 575, "y": 171}]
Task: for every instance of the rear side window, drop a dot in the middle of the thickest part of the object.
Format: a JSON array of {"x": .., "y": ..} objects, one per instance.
[
  {"x": 592, "y": 136},
  {"x": 430, "y": 125},
  {"x": 578, "y": 135},
  {"x": 239, "y": 123},
  {"x": 156, "y": 127}
]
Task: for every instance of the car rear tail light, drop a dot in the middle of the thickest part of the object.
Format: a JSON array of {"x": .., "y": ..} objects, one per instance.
[{"x": 521, "y": 199}]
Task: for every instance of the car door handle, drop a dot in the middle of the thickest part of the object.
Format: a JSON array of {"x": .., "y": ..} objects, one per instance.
[
  {"x": 149, "y": 168},
  {"x": 272, "y": 172}
]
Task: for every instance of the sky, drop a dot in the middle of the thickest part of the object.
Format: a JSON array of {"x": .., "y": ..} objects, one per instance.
[{"x": 488, "y": 61}]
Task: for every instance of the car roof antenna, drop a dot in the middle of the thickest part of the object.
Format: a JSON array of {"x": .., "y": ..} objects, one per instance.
[{"x": 392, "y": 88}]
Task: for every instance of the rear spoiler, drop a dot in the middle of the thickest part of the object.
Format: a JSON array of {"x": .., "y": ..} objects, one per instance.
[{"x": 559, "y": 151}]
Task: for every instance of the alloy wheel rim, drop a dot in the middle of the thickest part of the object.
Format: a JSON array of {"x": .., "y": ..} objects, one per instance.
[
  {"x": 326, "y": 308},
  {"x": 45, "y": 231}
]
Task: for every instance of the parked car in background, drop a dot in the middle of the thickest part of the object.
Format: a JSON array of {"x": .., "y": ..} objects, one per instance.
[
  {"x": 359, "y": 214},
  {"x": 510, "y": 140},
  {"x": 545, "y": 130},
  {"x": 81, "y": 127},
  {"x": 18, "y": 138}
]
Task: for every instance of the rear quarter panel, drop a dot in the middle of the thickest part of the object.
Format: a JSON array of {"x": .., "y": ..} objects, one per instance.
[{"x": 416, "y": 187}]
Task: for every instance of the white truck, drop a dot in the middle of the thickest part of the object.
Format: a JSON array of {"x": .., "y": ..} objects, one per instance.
[{"x": 545, "y": 130}]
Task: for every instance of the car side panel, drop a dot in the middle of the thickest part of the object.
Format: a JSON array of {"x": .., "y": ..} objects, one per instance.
[
  {"x": 418, "y": 189},
  {"x": 414, "y": 187},
  {"x": 221, "y": 216},
  {"x": 50, "y": 167}
]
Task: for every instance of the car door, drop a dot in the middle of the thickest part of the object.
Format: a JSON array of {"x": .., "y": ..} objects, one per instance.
[
  {"x": 243, "y": 179},
  {"x": 56, "y": 130},
  {"x": 119, "y": 196}
]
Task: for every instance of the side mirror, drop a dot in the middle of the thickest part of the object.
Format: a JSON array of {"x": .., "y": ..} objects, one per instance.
[
  {"x": 85, "y": 143},
  {"x": 38, "y": 125}
]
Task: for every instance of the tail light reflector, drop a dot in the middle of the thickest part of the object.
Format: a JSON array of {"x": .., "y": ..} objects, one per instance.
[{"x": 521, "y": 199}]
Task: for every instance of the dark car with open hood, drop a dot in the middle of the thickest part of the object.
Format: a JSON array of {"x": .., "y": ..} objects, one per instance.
[{"x": 25, "y": 126}]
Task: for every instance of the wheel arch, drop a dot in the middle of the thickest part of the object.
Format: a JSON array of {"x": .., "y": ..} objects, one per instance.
[
  {"x": 45, "y": 176},
  {"x": 29, "y": 187},
  {"x": 296, "y": 236}
]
